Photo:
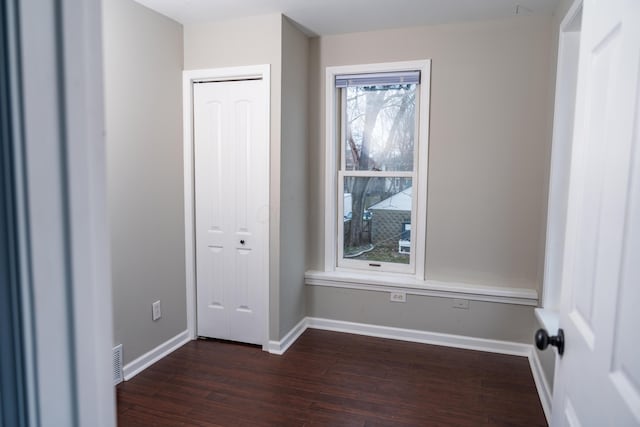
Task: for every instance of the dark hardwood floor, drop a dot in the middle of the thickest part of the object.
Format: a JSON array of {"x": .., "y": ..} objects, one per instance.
[{"x": 331, "y": 379}]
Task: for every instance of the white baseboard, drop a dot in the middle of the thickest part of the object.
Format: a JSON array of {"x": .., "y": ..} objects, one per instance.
[
  {"x": 414, "y": 335},
  {"x": 544, "y": 392},
  {"x": 138, "y": 365},
  {"x": 279, "y": 347}
]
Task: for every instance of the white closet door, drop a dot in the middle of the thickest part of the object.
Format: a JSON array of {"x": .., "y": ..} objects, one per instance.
[{"x": 232, "y": 207}]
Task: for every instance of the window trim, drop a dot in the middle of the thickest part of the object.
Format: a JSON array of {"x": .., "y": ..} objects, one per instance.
[{"x": 332, "y": 151}]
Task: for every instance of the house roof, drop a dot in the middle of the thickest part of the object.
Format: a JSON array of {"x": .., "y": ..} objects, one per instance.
[{"x": 398, "y": 202}]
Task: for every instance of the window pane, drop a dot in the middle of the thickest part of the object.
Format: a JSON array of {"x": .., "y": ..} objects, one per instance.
[
  {"x": 380, "y": 127},
  {"x": 377, "y": 219}
]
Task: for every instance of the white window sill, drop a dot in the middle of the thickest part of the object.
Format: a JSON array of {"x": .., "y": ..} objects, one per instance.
[{"x": 393, "y": 283}]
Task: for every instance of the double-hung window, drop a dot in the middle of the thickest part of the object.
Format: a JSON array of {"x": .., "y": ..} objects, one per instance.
[{"x": 377, "y": 167}]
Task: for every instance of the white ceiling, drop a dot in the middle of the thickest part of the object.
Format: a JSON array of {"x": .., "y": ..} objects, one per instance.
[{"x": 324, "y": 17}]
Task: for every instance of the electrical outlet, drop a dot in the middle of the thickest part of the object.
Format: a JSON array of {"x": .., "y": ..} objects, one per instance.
[
  {"x": 157, "y": 313},
  {"x": 461, "y": 303},
  {"x": 398, "y": 297}
]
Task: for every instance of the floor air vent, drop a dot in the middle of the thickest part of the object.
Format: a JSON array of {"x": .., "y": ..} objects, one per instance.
[{"x": 117, "y": 364}]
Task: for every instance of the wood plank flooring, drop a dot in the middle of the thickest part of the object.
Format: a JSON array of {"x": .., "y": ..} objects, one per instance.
[{"x": 331, "y": 379}]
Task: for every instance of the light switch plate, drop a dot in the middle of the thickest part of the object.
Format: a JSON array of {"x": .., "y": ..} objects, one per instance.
[{"x": 157, "y": 313}]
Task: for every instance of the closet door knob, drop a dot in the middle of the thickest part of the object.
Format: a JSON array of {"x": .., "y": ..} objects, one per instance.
[{"x": 543, "y": 340}]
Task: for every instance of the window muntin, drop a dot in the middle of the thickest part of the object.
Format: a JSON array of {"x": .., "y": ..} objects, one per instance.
[{"x": 377, "y": 172}]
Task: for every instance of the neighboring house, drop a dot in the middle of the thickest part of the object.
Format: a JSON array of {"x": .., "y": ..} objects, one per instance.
[{"x": 391, "y": 219}]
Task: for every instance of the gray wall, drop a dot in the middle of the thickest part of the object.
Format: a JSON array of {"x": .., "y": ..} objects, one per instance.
[
  {"x": 143, "y": 68},
  {"x": 488, "y": 148},
  {"x": 508, "y": 322},
  {"x": 293, "y": 179},
  {"x": 249, "y": 41},
  {"x": 272, "y": 39},
  {"x": 489, "y": 143},
  {"x": 488, "y": 160}
]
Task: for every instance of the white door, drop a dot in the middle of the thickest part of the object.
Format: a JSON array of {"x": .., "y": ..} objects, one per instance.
[
  {"x": 598, "y": 379},
  {"x": 231, "y": 158}
]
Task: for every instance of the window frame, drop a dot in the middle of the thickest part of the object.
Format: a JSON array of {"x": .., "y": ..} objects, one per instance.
[
  {"x": 344, "y": 173},
  {"x": 334, "y": 174}
]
